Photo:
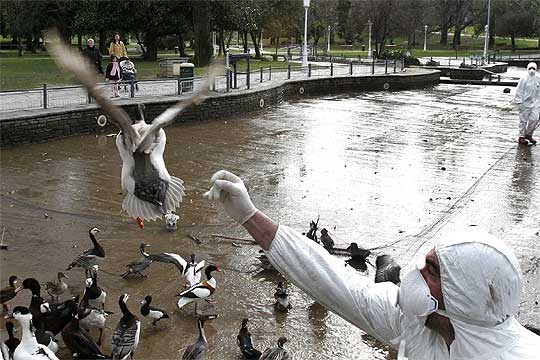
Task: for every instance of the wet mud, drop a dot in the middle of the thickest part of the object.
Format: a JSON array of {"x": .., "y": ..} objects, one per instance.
[{"x": 393, "y": 170}]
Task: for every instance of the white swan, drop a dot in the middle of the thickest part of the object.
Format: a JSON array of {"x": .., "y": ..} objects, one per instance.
[{"x": 29, "y": 349}]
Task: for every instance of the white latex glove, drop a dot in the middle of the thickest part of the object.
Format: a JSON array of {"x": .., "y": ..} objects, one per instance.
[{"x": 231, "y": 191}]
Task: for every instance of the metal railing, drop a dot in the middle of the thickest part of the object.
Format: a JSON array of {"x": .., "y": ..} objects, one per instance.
[{"x": 62, "y": 96}]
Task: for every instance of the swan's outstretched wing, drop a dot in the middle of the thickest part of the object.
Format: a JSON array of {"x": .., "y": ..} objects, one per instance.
[
  {"x": 168, "y": 116},
  {"x": 81, "y": 69}
]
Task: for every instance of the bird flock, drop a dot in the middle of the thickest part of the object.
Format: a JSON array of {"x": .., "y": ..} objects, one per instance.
[{"x": 44, "y": 321}]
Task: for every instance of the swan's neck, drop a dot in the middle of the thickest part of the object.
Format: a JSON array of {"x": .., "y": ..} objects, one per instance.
[{"x": 28, "y": 336}]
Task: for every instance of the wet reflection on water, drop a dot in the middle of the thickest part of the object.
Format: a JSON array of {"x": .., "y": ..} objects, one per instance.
[{"x": 378, "y": 168}]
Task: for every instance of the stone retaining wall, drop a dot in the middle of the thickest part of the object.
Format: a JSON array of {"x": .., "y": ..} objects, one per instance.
[{"x": 45, "y": 125}]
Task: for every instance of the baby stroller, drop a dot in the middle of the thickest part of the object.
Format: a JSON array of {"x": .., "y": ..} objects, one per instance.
[{"x": 129, "y": 73}]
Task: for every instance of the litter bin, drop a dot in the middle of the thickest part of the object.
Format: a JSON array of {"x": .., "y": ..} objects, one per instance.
[
  {"x": 187, "y": 72},
  {"x": 363, "y": 47}
]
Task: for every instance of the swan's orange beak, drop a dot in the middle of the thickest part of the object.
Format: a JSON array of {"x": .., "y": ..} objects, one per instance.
[{"x": 140, "y": 222}]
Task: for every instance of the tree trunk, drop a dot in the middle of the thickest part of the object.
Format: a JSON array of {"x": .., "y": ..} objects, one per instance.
[
  {"x": 202, "y": 32},
  {"x": 221, "y": 42},
  {"x": 255, "y": 44},
  {"x": 151, "y": 43},
  {"x": 245, "y": 41},
  {"x": 103, "y": 42},
  {"x": 141, "y": 44},
  {"x": 79, "y": 42},
  {"x": 512, "y": 36},
  {"x": 229, "y": 38},
  {"x": 444, "y": 34},
  {"x": 181, "y": 45},
  {"x": 457, "y": 35},
  {"x": 414, "y": 38},
  {"x": 20, "y": 50},
  {"x": 30, "y": 45}
]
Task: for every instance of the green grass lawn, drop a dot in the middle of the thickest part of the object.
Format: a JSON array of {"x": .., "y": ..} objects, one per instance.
[{"x": 33, "y": 70}]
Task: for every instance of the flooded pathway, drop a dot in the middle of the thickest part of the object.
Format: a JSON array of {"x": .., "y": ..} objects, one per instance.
[{"x": 379, "y": 168}]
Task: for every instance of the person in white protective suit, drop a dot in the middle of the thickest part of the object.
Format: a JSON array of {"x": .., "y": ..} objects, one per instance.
[
  {"x": 460, "y": 305},
  {"x": 528, "y": 100}
]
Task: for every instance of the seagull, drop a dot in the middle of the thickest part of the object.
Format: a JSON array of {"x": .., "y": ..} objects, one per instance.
[{"x": 151, "y": 191}]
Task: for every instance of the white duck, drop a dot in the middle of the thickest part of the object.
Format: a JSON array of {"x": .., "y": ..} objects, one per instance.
[
  {"x": 151, "y": 190},
  {"x": 201, "y": 290},
  {"x": 193, "y": 271},
  {"x": 29, "y": 349}
]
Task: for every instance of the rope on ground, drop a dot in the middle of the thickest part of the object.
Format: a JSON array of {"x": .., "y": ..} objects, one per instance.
[{"x": 428, "y": 232}]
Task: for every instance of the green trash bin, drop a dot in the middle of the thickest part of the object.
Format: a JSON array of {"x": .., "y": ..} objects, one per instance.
[{"x": 187, "y": 72}]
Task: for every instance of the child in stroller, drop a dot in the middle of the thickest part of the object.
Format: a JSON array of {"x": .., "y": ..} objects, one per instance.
[{"x": 129, "y": 72}]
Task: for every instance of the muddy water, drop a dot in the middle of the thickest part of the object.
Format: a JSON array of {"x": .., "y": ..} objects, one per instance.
[{"x": 379, "y": 168}]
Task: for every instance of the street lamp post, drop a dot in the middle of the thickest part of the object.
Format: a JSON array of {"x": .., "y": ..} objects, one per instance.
[
  {"x": 425, "y": 37},
  {"x": 486, "y": 41},
  {"x": 328, "y": 45},
  {"x": 369, "y": 23},
  {"x": 304, "y": 53},
  {"x": 213, "y": 44}
]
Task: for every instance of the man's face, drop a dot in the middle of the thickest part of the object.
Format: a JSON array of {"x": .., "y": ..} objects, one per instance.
[
  {"x": 90, "y": 43},
  {"x": 431, "y": 274}
]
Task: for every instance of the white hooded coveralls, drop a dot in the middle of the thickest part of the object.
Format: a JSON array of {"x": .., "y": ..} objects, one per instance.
[
  {"x": 480, "y": 282},
  {"x": 528, "y": 100}
]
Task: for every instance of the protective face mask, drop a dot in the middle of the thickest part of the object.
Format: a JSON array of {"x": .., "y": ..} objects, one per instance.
[
  {"x": 532, "y": 71},
  {"x": 415, "y": 299}
]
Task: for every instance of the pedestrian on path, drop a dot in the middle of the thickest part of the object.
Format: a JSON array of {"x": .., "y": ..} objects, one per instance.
[
  {"x": 460, "y": 304},
  {"x": 93, "y": 55},
  {"x": 117, "y": 47},
  {"x": 129, "y": 73},
  {"x": 528, "y": 101},
  {"x": 113, "y": 74}
]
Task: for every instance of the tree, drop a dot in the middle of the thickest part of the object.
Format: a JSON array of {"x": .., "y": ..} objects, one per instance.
[
  {"x": 344, "y": 26},
  {"x": 321, "y": 15},
  {"x": 411, "y": 14},
  {"x": 519, "y": 21},
  {"x": 381, "y": 13},
  {"x": 18, "y": 13},
  {"x": 201, "y": 31}
]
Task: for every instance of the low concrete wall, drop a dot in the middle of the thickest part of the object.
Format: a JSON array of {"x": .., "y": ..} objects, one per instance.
[
  {"x": 44, "y": 125},
  {"x": 522, "y": 62}
]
